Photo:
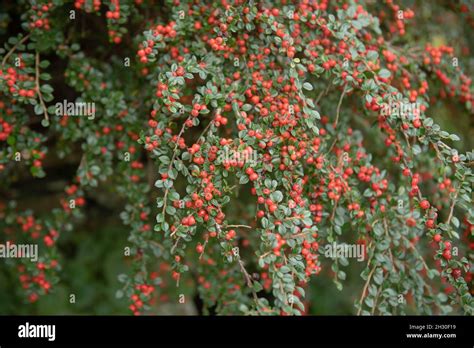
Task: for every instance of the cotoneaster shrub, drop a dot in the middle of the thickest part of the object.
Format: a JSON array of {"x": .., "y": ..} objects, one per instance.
[{"x": 245, "y": 138}]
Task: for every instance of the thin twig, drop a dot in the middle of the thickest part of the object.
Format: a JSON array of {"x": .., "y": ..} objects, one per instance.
[
  {"x": 385, "y": 225},
  {"x": 414, "y": 248},
  {"x": 338, "y": 110},
  {"x": 246, "y": 274},
  {"x": 266, "y": 254},
  {"x": 333, "y": 211},
  {"x": 218, "y": 111},
  {"x": 378, "y": 295},
  {"x": 238, "y": 226},
  {"x": 175, "y": 245},
  {"x": 300, "y": 234},
  {"x": 14, "y": 48},
  {"x": 365, "y": 289},
  {"x": 451, "y": 209},
  {"x": 323, "y": 92},
  {"x": 203, "y": 248},
  {"x": 438, "y": 153},
  {"x": 38, "y": 89},
  {"x": 248, "y": 279},
  {"x": 339, "y": 106}
]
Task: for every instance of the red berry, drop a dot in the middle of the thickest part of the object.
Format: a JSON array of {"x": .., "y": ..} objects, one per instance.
[
  {"x": 253, "y": 176},
  {"x": 447, "y": 254},
  {"x": 424, "y": 204},
  {"x": 456, "y": 273},
  {"x": 430, "y": 223}
]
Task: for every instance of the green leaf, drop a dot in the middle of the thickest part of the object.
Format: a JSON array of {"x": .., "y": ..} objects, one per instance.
[
  {"x": 276, "y": 196},
  {"x": 257, "y": 286},
  {"x": 119, "y": 294},
  {"x": 384, "y": 73},
  {"x": 455, "y": 221},
  {"x": 308, "y": 86},
  {"x": 38, "y": 109},
  {"x": 369, "y": 302},
  {"x": 454, "y": 137}
]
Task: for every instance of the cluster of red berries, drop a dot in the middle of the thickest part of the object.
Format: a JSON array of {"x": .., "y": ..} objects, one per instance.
[
  {"x": 50, "y": 238},
  {"x": 220, "y": 120},
  {"x": 145, "y": 291},
  {"x": 197, "y": 108},
  {"x": 279, "y": 243},
  {"x": 188, "y": 220},
  {"x": 38, "y": 17},
  {"x": 5, "y": 129},
  {"x": 144, "y": 52},
  {"x": 400, "y": 16},
  {"x": 13, "y": 77},
  {"x": 74, "y": 196},
  {"x": 27, "y": 281},
  {"x": 447, "y": 250},
  {"x": 434, "y": 54},
  {"x": 446, "y": 184},
  {"x": 86, "y": 5},
  {"x": 113, "y": 13},
  {"x": 29, "y": 224},
  {"x": 415, "y": 180},
  {"x": 432, "y": 215},
  {"x": 166, "y": 31},
  {"x": 309, "y": 252}
]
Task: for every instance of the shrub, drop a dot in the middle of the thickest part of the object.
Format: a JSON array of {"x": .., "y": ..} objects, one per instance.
[{"x": 249, "y": 143}]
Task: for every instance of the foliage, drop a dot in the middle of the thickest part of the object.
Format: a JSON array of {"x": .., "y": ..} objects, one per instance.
[{"x": 244, "y": 139}]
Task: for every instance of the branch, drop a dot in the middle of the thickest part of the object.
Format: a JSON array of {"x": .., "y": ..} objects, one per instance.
[
  {"x": 38, "y": 89},
  {"x": 248, "y": 279},
  {"x": 331, "y": 218},
  {"x": 365, "y": 289},
  {"x": 171, "y": 163},
  {"x": 339, "y": 106},
  {"x": 175, "y": 245},
  {"x": 218, "y": 111},
  {"x": 238, "y": 226},
  {"x": 451, "y": 209},
  {"x": 385, "y": 225},
  {"x": 414, "y": 248},
  {"x": 338, "y": 110},
  {"x": 378, "y": 295},
  {"x": 323, "y": 92},
  {"x": 204, "y": 248},
  {"x": 14, "y": 48},
  {"x": 246, "y": 274}
]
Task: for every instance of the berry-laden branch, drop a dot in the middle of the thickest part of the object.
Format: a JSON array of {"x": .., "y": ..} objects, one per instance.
[{"x": 255, "y": 153}]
